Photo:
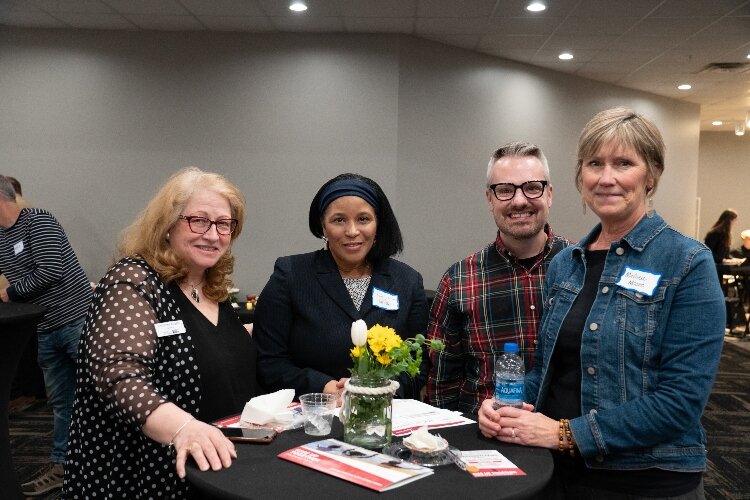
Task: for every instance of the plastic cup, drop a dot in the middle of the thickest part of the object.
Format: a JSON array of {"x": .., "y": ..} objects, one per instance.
[{"x": 318, "y": 409}]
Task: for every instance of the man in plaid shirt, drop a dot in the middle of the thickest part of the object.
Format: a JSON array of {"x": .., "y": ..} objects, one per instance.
[{"x": 495, "y": 295}]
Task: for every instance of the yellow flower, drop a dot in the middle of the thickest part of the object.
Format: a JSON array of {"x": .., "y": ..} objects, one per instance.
[
  {"x": 382, "y": 339},
  {"x": 357, "y": 351},
  {"x": 384, "y": 359}
]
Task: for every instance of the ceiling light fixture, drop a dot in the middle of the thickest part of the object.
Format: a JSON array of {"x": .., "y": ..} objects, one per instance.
[
  {"x": 565, "y": 56},
  {"x": 739, "y": 129},
  {"x": 716, "y": 123},
  {"x": 298, "y": 6},
  {"x": 536, "y": 7},
  {"x": 685, "y": 86}
]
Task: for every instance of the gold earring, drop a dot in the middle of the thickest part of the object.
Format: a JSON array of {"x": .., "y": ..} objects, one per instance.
[
  {"x": 325, "y": 243},
  {"x": 650, "y": 211}
]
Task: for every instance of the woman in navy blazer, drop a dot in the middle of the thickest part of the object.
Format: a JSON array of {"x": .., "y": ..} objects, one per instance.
[{"x": 304, "y": 314}]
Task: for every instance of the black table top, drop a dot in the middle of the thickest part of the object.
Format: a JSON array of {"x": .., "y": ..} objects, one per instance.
[
  {"x": 258, "y": 473},
  {"x": 16, "y": 312}
]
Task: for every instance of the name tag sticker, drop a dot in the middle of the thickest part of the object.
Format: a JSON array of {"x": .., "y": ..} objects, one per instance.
[
  {"x": 18, "y": 248},
  {"x": 169, "y": 328},
  {"x": 384, "y": 300},
  {"x": 640, "y": 281}
]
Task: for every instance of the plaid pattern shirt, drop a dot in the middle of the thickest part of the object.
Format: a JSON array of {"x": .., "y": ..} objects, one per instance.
[{"x": 483, "y": 301}]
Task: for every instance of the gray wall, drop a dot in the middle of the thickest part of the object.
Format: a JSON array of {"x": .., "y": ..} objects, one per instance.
[
  {"x": 723, "y": 180},
  {"x": 93, "y": 122}
]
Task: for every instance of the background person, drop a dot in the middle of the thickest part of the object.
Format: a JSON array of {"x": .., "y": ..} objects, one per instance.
[
  {"x": 163, "y": 352},
  {"x": 42, "y": 268},
  {"x": 630, "y": 338},
  {"x": 743, "y": 251},
  {"x": 719, "y": 237},
  {"x": 495, "y": 295},
  {"x": 305, "y": 312}
]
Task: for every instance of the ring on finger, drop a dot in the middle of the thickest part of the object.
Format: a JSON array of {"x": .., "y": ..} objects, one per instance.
[{"x": 513, "y": 432}]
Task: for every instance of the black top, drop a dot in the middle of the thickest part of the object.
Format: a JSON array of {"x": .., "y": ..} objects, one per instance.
[
  {"x": 716, "y": 242},
  {"x": 226, "y": 382},
  {"x": 564, "y": 401}
]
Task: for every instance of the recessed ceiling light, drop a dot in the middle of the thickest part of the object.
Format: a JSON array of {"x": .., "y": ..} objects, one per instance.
[
  {"x": 565, "y": 56},
  {"x": 536, "y": 7},
  {"x": 298, "y": 6},
  {"x": 685, "y": 86},
  {"x": 748, "y": 56},
  {"x": 716, "y": 123}
]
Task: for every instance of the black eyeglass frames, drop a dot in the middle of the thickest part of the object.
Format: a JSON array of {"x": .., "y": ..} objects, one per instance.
[
  {"x": 201, "y": 225},
  {"x": 505, "y": 191}
]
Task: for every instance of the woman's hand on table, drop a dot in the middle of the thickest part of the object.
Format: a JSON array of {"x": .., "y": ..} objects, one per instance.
[
  {"x": 518, "y": 425},
  {"x": 206, "y": 444},
  {"x": 336, "y": 387}
]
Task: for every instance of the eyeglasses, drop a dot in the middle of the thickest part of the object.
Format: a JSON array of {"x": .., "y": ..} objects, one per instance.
[
  {"x": 505, "y": 191},
  {"x": 201, "y": 225}
]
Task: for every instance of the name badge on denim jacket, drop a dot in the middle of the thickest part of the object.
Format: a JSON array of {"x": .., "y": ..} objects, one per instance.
[
  {"x": 639, "y": 281},
  {"x": 384, "y": 300}
]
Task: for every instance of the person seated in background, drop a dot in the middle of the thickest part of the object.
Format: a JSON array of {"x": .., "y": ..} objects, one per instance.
[
  {"x": 162, "y": 353},
  {"x": 743, "y": 252},
  {"x": 304, "y": 313},
  {"x": 630, "y": 338},
  {"x": 719, "y": 237},
  {"x": 495, "y": 295}
]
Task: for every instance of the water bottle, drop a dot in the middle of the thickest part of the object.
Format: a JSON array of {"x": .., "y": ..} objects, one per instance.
[{"x": 509, "y": 374}]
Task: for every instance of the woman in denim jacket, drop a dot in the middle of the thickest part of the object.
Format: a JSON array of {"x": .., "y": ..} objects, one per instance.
[{"x": 630, "y": 338}]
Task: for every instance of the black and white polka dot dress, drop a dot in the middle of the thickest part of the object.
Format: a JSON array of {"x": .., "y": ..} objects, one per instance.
[{"x": 124, "y": 373}]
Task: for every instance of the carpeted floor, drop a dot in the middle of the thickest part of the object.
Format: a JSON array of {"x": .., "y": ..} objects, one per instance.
[{"x": 727, "y": 423}]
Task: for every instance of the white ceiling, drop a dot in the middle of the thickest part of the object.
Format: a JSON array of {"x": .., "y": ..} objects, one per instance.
[{"x": 649, "y": 45}]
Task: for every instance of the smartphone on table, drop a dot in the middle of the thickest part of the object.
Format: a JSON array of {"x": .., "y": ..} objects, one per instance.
[{"x": 245, "y": 435}]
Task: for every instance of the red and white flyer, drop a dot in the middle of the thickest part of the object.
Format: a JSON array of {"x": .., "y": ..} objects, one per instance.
[
  {"x": 489, "y": 463},
  {"x": 361, "y": 466}
]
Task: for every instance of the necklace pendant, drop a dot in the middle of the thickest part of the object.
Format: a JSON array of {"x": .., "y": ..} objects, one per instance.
[{"x": 194, "y": 294}]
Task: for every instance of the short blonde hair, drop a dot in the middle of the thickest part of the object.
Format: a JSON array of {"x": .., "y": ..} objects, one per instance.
[
  {"x": 625, "y": 127},
  {"x": 147, "y": 235}
]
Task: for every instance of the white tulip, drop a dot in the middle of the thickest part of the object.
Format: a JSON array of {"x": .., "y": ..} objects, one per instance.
[{"x": 359, "y": 332}]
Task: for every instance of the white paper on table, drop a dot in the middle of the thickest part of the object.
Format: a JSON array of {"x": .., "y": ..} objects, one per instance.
[
  {"x": 489, "y": 463},
  {"x": 410, "y": 414}
]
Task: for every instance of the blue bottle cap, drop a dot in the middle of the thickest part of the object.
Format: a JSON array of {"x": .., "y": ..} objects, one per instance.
[{"x": 510, "y": 347}]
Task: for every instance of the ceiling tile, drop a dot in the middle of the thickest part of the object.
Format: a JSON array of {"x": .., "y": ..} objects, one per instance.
[
  {"x": 451, "y": 8},
  {"x": 629, "y": 8},
  {"x": 96, "y": 21},
  {"x": 520, "y": 55},
  {"x": 30, "y": 19},
  {"x": 379, "y": 24},
  {"x": 313, "y": 24},
  {"x": 81, "y": 6},
  {"x": 379, "y": 8},
  {"x": 159, "y": 7},
  {"x": 238, "y": 8},
  {"x": 586, "y": 25},
  {"x": 165, "y": 23},
  {"x": 237, "y": 23},
  {"x": 524, "y": 25},
  {"x": 698, "y": 8},
  {"x": 452, "y": 26},
  {"x": 510, "y": 42},
  {"x": 682, "y": 27},
  {"x": 578, "y": 42},
  {"x": 463, "y": 41}
]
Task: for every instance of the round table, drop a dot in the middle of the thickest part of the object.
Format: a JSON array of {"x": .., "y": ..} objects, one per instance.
[
  {"x": 258, "y": 473},
  {"x": 18, "y": 323}
]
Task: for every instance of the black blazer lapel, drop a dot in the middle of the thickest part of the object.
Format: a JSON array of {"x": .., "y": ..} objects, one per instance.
[{"x": 330, "y": 280}]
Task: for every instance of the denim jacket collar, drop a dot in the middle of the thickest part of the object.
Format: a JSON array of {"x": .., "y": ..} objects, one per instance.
[{"x": 638, "y": 237}]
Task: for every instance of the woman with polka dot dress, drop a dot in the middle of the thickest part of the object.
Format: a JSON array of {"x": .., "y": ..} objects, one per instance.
[{"x": 162, "y": 352}]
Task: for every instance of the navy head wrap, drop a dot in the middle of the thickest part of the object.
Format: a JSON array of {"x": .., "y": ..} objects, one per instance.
[{"x": 347, "y": 187}]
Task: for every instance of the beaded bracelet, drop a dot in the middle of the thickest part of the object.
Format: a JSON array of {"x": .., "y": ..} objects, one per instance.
[
  {"x": 568, "y": 434},
  {"x": 561, "y": 443},
  {"x": 171, "y": 441}
]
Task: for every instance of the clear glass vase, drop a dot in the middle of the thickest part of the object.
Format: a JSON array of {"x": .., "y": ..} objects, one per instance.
[{"x": 367, "y": 418}]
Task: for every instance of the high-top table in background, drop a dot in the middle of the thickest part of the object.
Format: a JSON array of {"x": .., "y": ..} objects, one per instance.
[
  {"x": 258, "y": 473},
  {"x": 17, "y": 324}
]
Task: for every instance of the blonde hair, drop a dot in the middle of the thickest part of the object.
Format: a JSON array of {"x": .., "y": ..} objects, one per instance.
[
  {"x": 147, "y": 237},
  {"x": 628, "y": 128}
]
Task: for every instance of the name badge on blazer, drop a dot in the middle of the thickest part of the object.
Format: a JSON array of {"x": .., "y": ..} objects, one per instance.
[
  {"x": 169, "y": 328},
  {"x": 639, "y": 281},
  {"x": 384, "y": 300}
]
